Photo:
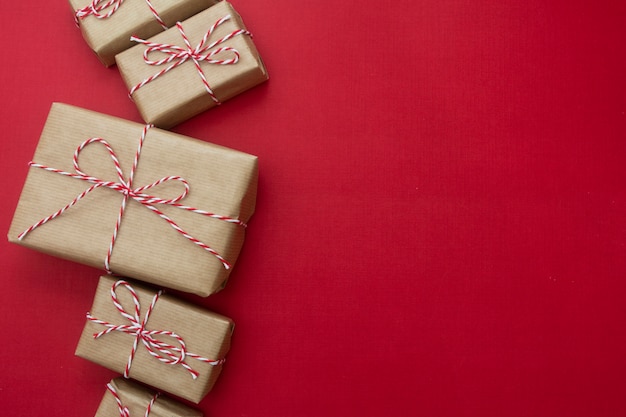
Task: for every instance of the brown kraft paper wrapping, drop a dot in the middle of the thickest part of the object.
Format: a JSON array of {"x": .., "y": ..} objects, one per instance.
[
  {"x": 204, "y": 333},
  {"x": 180, "y": 93},
  {"x": 111, "y": 35},
  {"x": 136, "y": 398},
  {"x": 147, "y": 248}
]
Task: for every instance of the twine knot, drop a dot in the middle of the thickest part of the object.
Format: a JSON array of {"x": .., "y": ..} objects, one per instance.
[
  {"x": 97, "y": 9},
  {"x": 168, "y": 353},
  {"x": 203, "y": 52},
  {"x": 125, "y": 187}
]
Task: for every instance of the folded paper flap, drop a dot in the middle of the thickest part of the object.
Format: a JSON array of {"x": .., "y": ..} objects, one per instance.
[
  {"x": 221, "y": 181},
  {"x": 137, "y": 398},
  {"x": 204, "y": 335}
]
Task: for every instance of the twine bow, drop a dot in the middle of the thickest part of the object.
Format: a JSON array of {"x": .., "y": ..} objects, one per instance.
[
  {"x": 124, "y": 411},
  {"x": 203, "y": 52},
  {"x": 165, "y": 352},
  {"x": 125, "y": 187},
  {"x": 97, "y": 9}
]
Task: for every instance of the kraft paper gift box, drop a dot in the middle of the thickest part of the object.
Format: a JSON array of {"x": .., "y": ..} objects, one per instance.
[
  {"x": 107, "y": 25},
  {"x": 148, "y": 233},
  {"x": 195, "y": 76},
  {"x": 137, "y": 400},
  {"x": 167, "y": 343}
]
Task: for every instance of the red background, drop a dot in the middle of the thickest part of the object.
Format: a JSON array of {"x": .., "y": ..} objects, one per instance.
[{"x": 441, "y": 223}]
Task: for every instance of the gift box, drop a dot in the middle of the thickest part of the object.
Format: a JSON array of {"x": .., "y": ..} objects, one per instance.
[
  {"x": 155, "y": 338},
  {"x": 192, "y": 67},
  {"x": 127, "y": 398},
  {"x": 136, "y": 200},
  {"x": 107, "y": 25}
]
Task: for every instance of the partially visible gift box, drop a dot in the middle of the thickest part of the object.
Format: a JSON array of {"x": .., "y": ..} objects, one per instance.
[
  {"x": 140, "y": 202},
  {"x": 202, "y": 62},
  {"x": 127, "y": 398},
  {"x": 107, "y": 25},
  {"x": 155, "y": 338}
]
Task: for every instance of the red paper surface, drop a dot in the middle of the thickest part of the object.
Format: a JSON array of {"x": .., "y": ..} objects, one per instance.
[{"x": 441, "y": 222}]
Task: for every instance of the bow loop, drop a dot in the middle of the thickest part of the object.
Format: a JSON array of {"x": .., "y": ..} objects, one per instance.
[
  {"x": 135, "y": 317},
  {"x": 143, "y": 198},
  {"x": 165, "y": 352},
  {"x": 112, "y": 155},
  {"x": 165, "y": 53},
  {"x": 209, "y": 57},
  {"x": 103, "y": 9},
  {"x": 169, "y": 353},
  {"x": 174, "y": 353},
  {"x": 124, "y": 185},
  {"x": 204, "y": 52}
]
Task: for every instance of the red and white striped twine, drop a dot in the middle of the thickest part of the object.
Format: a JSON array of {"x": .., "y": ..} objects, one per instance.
[
  {"x": 124, "y": 411},
  {"x": 125, "y": 187},
  {"x": 97, "y": 9},
  {"x": 177, "y": 55},
  {"x": 165, "y": 352}
]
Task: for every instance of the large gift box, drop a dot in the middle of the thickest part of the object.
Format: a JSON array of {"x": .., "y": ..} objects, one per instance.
[
  {"x": 155, "y": 338},
  {"x": 138, "y": 201},
  {"x": 194, "y": 66},
  {"x": 127, "y": 398},
  {"x": 107, "y": 25}
]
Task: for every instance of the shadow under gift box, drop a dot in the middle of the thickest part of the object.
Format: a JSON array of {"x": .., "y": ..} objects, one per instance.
[
  {"x": 180, "y": 92},
  {"x": 204, "y": 334},
  {"x": 107, "y": 30},
  {"x": 147, "y": 247},
  {"x": 137, "y": 398}
]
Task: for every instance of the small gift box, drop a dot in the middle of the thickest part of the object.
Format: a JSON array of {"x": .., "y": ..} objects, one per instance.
[
  {"x": 125, "y": 398},
  {"x": 172, "y": 345},
  {"x": 107, "y": 25},
  {"x": 139, "y": 201},
  {"x": 203, "y": 61}
]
